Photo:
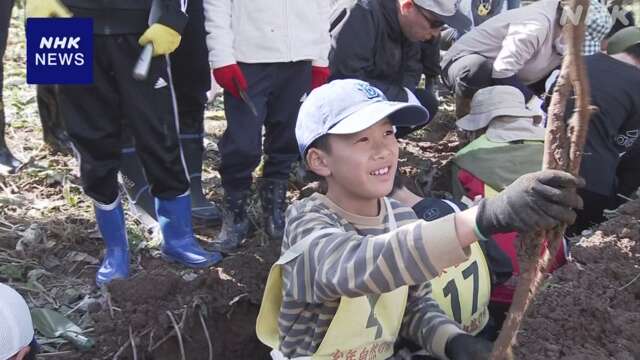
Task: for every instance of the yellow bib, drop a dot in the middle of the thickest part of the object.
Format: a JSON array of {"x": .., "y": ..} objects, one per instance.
[
  {"x": 463, "y": 291},
  {"x": 365, "y": 327}
]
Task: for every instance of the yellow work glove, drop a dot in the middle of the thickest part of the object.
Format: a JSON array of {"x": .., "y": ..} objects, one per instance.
[
  {"x": 47, "y": 8},
  {"x": 164, "y": 39}
]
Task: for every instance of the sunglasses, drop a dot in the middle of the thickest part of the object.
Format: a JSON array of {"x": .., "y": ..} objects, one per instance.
[{"x": 433, "y": 20}]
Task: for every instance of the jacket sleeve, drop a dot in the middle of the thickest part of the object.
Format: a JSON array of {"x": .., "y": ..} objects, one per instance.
[
  {"x": 353, "y": 50},
  {"x": 430, "y": 57},
  {"x": 519, "y": 45},
  {"x": 412, "y": 65},
  {"x": 324, "y": 37},
  {"x": 425, "y": 323},
  {"x": 219, "y": 33},
  {"x": 338, "y": 263},
  {"x": 174, "y": 15}
]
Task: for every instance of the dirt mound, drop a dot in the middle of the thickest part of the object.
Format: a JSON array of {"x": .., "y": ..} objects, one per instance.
[
  {"x": 590, "y": 309},
  {"x": 214, "y": 308}
]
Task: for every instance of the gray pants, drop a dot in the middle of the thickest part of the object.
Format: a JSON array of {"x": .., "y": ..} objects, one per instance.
[{"x": 468, "y": 74}]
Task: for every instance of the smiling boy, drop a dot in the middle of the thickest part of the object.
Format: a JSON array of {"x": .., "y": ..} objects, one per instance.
[{"x": 355, "y": 265}]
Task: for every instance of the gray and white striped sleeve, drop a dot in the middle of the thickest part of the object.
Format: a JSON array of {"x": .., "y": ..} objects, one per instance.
[{"x": 345, "y": 263}]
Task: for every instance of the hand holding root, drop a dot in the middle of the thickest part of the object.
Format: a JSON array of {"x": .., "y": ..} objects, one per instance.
[
  {"x": 563, "y": 151},
  {"x": 536, "y": 201}
]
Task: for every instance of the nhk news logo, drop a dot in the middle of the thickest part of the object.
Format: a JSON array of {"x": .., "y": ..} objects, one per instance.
[{"x": 59, "y": 51}]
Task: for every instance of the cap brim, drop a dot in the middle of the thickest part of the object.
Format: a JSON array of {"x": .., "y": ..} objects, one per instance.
[
  {"x": 472, "y": 122},
  {"x": 458, "y": 21},
  {"x": 400, "y": 114}
]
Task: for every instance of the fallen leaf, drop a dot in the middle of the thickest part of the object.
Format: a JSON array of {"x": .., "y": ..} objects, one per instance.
[
  {"x": 32, "y": 240},
  {"x": 11, "y": 271},
  {"x": 77, "y": 256}
]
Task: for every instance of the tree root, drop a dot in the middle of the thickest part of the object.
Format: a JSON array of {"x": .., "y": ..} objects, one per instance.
[{"x": 563, "y": 151}]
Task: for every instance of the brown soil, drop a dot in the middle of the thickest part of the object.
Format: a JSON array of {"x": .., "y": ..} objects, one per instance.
[
  {"x": 231, "y": 294},
  {"x": 425, "y": 155},
  {"x": 228, "y": 299},
  {"x": 590, "y": 308}
]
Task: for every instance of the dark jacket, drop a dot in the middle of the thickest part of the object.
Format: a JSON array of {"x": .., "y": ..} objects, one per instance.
[
  {"x": 614, "y": 127},
  {"x": 369, "y": 45},
  {"x": 127, "y": 16}
]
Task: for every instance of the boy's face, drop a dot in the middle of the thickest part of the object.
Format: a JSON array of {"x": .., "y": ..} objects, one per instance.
[{"x": 359, "y": 166}]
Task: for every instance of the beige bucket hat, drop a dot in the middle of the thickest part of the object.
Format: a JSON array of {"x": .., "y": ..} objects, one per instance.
[{"x": 503, "y": 110}]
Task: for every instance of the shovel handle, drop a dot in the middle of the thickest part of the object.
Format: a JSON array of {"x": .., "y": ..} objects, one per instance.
[
  {"x": 80, "y": 341},
  {"x": 141, "y": 69}
]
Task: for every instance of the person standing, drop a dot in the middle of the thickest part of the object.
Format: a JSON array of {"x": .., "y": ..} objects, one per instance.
[
  {"x": 8, "y": 162},
  {"x": 94, "y": 116},
  {"x": 191, "y": 81},
  {"x": 267, "y": 55}
]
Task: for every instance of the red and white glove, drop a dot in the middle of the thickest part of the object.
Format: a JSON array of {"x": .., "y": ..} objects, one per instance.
[
  {"x": 319, "y": 76},
  {"x": 225, "y": 77}
]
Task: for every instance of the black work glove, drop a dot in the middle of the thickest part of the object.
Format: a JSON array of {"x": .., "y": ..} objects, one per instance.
[
  {"x": 467, "y": 347},
  {"x": 536, "y": 201}
]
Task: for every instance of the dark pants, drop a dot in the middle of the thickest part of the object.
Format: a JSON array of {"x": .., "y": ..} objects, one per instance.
[
  {"x": 5, "y": 18},
  {"x": 627, "y": 182},
  {"x": 468, "y": 74},
  {"x": 190, "y": 71},
  {"x": 190, "y": 74},
  {"x": 592, "y": 213},
  {"x": 628, "y": 173},
  {"x": 53, "y": 128},
  {"x": 191, "y": 81},
  {"x": 94, "y": 115},
  {"x": 276, "y": 90}
]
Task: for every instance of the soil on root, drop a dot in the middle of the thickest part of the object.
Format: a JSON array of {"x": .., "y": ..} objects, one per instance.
[{"x": 590, "y": 308}]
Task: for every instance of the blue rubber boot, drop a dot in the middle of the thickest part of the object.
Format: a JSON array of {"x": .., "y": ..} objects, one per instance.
[
  {"x": 180, "y": 245},
  {"x": 115, "y": 265}
]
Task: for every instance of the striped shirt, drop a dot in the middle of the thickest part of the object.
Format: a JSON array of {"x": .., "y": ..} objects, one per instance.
[{"x": 361, "y": 257}]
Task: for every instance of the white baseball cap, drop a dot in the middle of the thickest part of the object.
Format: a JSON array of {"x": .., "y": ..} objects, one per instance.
[
  {"x": 16, "y": 328},
  {"x": 349, "y": 106},
  {"x": 440, "y": 7},
  {"x": 449, "y": 11}
]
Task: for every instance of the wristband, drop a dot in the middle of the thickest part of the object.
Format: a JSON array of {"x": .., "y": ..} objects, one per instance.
[{"x": 478, "y": 233}]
